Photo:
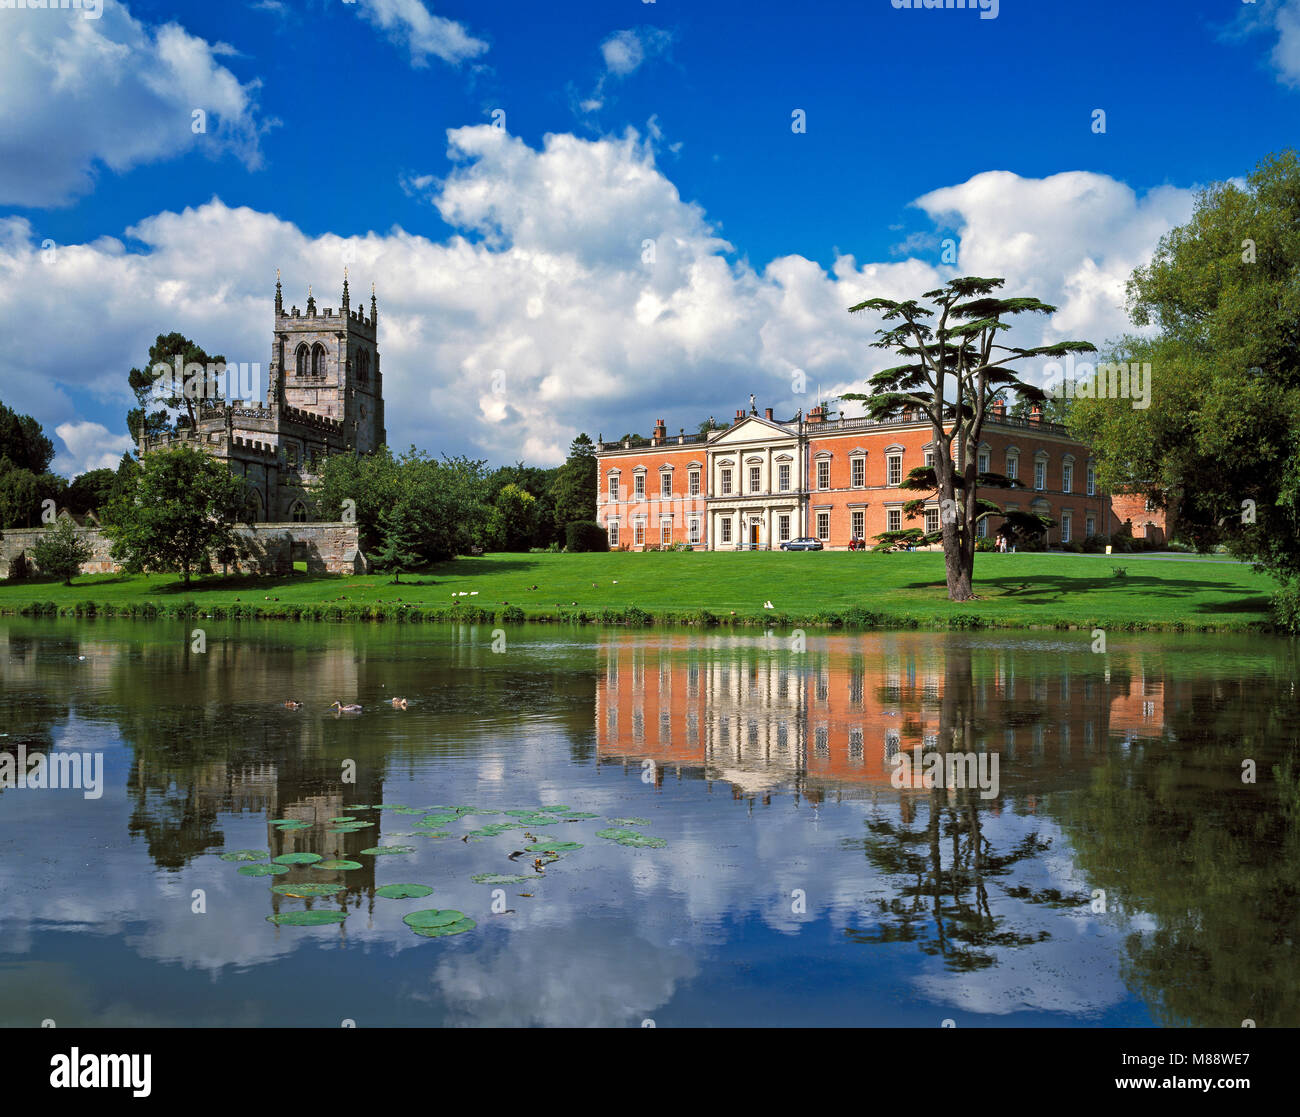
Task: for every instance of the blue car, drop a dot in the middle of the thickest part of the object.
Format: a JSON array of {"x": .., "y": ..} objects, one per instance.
[{"x": 805, "y": 543}]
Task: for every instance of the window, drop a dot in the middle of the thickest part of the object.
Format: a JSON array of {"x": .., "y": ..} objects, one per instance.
[
  {"x": 291, "y": 455},
  {"x": 1066, "y": 520},
  {"x": 1013, "y": 466},
  {"x": 665, "y": 484},
  {"x": 929, "y": 459},
  {"x": 1067, "y": 477},
  {"x": 783, "y": 478},
  {"x": 859, "y": 524},
  {"x": 1040, "y": 475},
  {"x": 783, "y": 529},
  {"x": 823, "y": 525},
  {"x": 613, "y": 488},
  {"x": 1092, "y": 480},
  {"x": 726, "y": 482},
  {"x": 755, "y": 478},
  {"x": 982, "y": 528},
  {"x": 299, "y": 512},
  {"x": 695, "y": 532},
  {"x": 858, "y": 469},
  {"x": 931, "y": 520},
  {"x": 894, "y": 519},
  {"x": 613, "y": 533},
  {"x": 318, "y": 360},
  {"x": 303, "y": 358},
  {"x": 638, "y": 533},
  {"x": 823, "y": 474},
  {"x": 694, "y": 478},
  {"x": 638, "y": 485},
  {"x": 665, "y": 532},
  {"x": 724, "y": 529},
  {"x": 983, "y": 464},
  {"x": 1090, "y": 524},
  {"x": 894, "y": 465}
]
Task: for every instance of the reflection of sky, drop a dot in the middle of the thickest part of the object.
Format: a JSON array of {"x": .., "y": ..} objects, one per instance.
[{"x": 700, "y": 932}]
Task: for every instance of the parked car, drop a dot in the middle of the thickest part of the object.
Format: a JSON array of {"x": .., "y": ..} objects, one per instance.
[{"x": 804, "y": 543}]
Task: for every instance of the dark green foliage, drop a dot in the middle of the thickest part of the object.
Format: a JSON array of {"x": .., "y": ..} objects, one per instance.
[
  {"x": 59, "y": 552},
  {"x": 575, "y": 487},
  {"x": 585, "y": 535}
]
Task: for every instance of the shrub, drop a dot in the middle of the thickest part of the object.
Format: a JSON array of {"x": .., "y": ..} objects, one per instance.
[
  {"x": 511, "y": 614},
  {"x": 1119, "y": 571},
  {"x": 984, "y": 545},
  {"x": 1284, "y": 607},
  {"x": 1093, "y": 544},
  {"x": 585, "y": 536},
  {"x": 1180, "y": 547}
]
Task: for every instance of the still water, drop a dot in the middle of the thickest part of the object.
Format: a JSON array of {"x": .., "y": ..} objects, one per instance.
[{"x": 1114, "y": 866}]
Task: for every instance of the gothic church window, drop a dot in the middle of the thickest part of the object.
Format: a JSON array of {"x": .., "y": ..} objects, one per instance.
[{"x": 318, "y": 360}]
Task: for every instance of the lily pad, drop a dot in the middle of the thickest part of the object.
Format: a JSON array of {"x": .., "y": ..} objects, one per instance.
[
  {"x": 632, "y": 838},
  {"x": 297, "y": 858},
  {"x": 350, "y": 828},
  {"x": 578, "y": 816},
  {"x": 378, "y": 851},
  {"x": 499, "y": 878},
  {"x": 403, "y": 891},
  {"x": 430, "y": 834},
  {"x": 407, "y": 810},
  {"x": 492, "y": 829},
  {"x": 433, "y": 924},
  {"x": 554, "y": 810},
  {"x": 245, "y": 855},
  {"x": 307, "y": 918},
  {"x": 361, "y": 807},
  {"x": 631, "y": 821},
  {"x": 262, "y": 870},
  {"x": 338, "y": 864},
  {"x": 437, "y": 820},
  {"x": 344, "y": 818},
  {"x": 305, "y": 890},
  {"x": 553, "y": 847},
  {"x": 291, "y": 824}
]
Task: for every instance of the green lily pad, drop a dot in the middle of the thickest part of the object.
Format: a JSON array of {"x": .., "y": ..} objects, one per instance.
[
  {"x": 408, "y": 810},
  {"x": 499, "y": 878},
  {"x": 578, "y": 816},
  {"x": 430, "y": 834},
  {"x": 262, "y": 870},
  {"x": 553, "y": 847},
  {"x": 245, "y": 855},
  {"x": 297, "y": 859},
  {"x": 338, "y": 864},
  {"x": 306, "y": 918},
  {"x": 519, "y": 811},
  {"x": 305, "y": 890},
  {"x": 291, "y": 824},
  {"x": 433, "y": 924},
  {"x": 403, "y": 891},
  {"x": 632, "y": 838},
  {"x": 343, "y": 818},
  {"x": 631, "y": 821},
  {"x": 492, "y": 829},
  {"x": 438, "y": 820},
  {"x": 553, "y": 810},
  {"x": 378, "y": 851},
  {"x": 350, "y": 828},
  {"x": 361, "y": 807}
]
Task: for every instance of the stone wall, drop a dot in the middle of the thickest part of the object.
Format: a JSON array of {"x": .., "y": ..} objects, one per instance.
[{"x": 326, "y": 548}]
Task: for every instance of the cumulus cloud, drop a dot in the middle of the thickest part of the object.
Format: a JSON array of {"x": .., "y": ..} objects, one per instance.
[
  {"x": 411, "y": 25},
  {"x": 88, "y": 446},
  {"x": 111, "y": 92},
  {"x": 623, "y": 54},
  {"x": 580, "y": 291}
]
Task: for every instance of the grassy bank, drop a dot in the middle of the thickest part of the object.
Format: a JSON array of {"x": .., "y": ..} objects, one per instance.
[{"x": 813, "y": 589}]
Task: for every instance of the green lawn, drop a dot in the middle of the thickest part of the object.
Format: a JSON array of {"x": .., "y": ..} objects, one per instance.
[{"x": 900, "y": 589}]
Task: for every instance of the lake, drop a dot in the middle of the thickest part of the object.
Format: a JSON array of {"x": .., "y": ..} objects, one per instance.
[{"x": 887, "y": 829}]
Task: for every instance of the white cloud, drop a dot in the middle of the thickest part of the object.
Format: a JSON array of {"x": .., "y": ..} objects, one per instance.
[
  {"x": 624, "y": 51},
  {"x": 552, "y": 281},
  {"x": 89, "y": 446},
  {"x": 80, "y": 94},
  {"x": 409, "y": 24}
]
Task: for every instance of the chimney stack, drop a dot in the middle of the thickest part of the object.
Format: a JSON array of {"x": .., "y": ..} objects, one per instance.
[
  {"x": 740, "y": 414},
  {"x": 817, "y": 414},
  {"x": 660, "y": 432},
  {"x": 767, "y": 414}
]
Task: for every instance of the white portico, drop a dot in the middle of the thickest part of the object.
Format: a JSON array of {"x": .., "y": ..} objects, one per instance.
[{"x": 756, "y": 479}]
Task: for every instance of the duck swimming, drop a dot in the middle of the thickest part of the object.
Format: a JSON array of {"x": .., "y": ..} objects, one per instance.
[
  {"x": 400, "y": 703},
  {"x": 293, "y": 705},
  {"x": 342, "y": 709}
]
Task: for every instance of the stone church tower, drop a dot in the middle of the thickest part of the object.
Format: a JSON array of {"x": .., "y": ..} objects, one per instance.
[{"x": 327, "y": 364}]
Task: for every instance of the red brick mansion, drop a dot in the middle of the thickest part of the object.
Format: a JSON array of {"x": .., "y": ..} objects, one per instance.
[{"x": 760, "y": 482}]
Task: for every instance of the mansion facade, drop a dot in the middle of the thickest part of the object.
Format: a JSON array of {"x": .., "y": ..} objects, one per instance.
[
  {"x": 762, "y": 482},
  {"x": 324, "y": 396}
]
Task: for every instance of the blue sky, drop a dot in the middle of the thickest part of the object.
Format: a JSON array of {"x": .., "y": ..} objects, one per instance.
[{"x": 363, "y": 133}]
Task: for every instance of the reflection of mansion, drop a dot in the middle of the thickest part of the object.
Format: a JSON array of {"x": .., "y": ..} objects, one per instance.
[
  {"x": 761, "y": 481},
  {"x": 324, "y": 396},
  {"x": 839, "y": 718}
]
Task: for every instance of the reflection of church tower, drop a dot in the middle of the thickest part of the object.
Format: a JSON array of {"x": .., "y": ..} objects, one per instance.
[{"x": 327, "y": 364}]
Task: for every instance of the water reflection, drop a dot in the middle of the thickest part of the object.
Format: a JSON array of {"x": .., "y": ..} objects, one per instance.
[{"x": 800, "y": 883}]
